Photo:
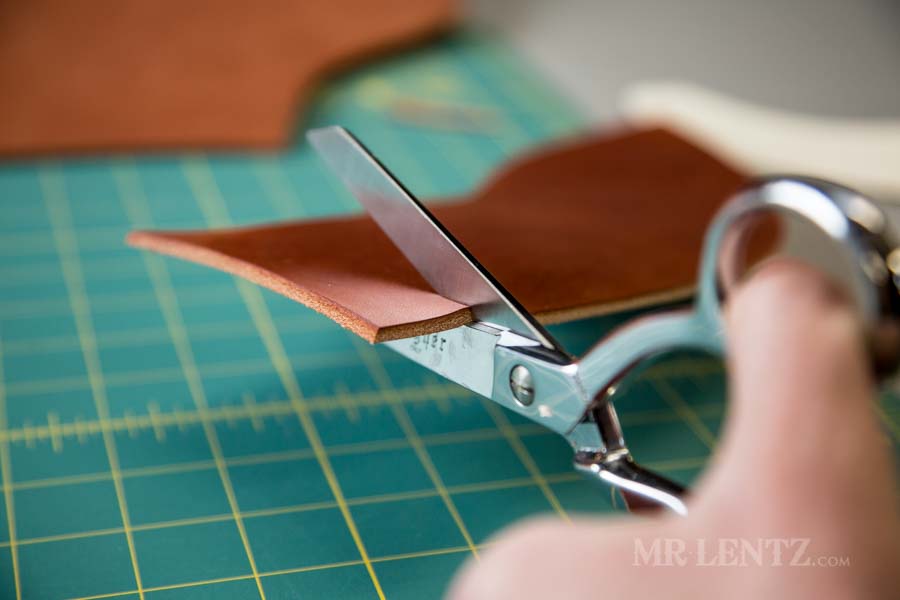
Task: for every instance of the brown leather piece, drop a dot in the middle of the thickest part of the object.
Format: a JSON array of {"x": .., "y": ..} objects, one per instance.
[
  {"x": 132, "y": 74},
  {"x": 343, "y": 268},
  {"x": 586, "y": 227}
]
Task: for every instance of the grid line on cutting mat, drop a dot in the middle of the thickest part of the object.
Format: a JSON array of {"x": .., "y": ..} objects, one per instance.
[
  {"x": 57, "y": 431},
  {"x": 510, "y": 484},
  {"x": 521, "y": 431},
  {"x": 206, "y": 193},
  {"x": 134, "y": 200},
  {"x": 282, "y": 198},
  {"x": 7, "y": 480},
  {"x": 57, "y": 206}
]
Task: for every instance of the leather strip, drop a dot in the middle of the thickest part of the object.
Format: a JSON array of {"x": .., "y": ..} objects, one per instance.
[
  {"x": 581, "y": 228},
  {"x": 113, "y": 74}
]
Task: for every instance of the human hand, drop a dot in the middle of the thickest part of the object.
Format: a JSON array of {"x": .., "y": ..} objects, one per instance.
[{"x": 799, "y": 501}]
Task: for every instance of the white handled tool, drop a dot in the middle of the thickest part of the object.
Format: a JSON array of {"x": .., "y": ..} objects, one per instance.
[{"x": 861, "y": 153}]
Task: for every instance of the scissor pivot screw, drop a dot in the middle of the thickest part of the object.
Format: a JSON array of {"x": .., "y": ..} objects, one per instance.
[{"x": 522, "y": 385}]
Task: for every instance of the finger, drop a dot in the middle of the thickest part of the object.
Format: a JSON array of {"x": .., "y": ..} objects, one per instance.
[
  {"x": 801, "y": 425},
  {"x": 588, "y": 558}
]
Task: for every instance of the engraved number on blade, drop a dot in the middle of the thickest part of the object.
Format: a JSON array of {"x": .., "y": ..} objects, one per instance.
[
  {"x": 464, "y": 355},
  {"x": 432, "y": 350},
  {"x": 425, "y": 343}
]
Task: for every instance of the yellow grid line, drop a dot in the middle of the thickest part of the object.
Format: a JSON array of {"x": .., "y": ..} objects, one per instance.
[
  {"x": 301, "y": 323},
  {"x": 114, "y": 232},
  {"x": 686, "y": 413},
  {"x": 212, "y": 205},
  {"x": 80, "y": 429},
  {"x": 6, "y": 471},
  {"x": 525, "y": 457},
  {"x": 379, "y": 374},
  {"x": 229, "y": 412},
  {"x": 319, "y": 403},
  {"x": 292, "y": 509},
  {"x": 111, "y": 269},
  {"x": 279, "y": 191},
  {"x": 684, "y": 368},
  {"x": 261, "y": 317},
  {"x": 57, "y": 204},
  {"x": 233, "y": 413},
  {"x": 305, "y": 569},
  {"x": 36, "y": 242},
  {"x": 468, "y": 488},
  {"x": 63, "y": 480},
  {"x": 210, "y": 370},
  {"x": 114, "y": 303},
  {"x": 270, "y": 457},
  {"x": 48, "y": 270},
  {"x": 140, "y": 336},
  {"x": 75, "y": 535},
  {"x": 135, "y": 205},
  {"x": 263, "y": 458}
]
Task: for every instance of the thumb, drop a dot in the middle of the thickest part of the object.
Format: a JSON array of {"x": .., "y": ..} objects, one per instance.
[{"x": 802, "y": 435}]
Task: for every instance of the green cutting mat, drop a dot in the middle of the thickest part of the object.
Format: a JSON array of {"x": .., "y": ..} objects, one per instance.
[{"x": 169, "y": 432}]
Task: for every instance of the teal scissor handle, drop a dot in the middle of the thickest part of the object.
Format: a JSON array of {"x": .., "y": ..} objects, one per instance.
[{"x": 831, "y": 227}]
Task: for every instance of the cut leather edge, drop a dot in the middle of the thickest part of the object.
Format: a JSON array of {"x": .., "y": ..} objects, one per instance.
[{"x": 347, "y": 319}]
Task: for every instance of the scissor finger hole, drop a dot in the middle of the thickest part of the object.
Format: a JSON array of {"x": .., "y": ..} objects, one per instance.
[{"x": 760, "y": 237}]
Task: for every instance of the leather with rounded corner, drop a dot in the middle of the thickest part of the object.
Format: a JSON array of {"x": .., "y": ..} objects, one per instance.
[{"x": 589, "y": 226}]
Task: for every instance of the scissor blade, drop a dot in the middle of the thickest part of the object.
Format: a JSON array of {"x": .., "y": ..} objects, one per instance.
[
  {"x": 464, "y": 355},
  {"x": 438, "y": 256}
]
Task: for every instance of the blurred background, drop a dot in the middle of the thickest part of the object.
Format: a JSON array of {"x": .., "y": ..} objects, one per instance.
[
  {"x": 823, "y": 57},
  {"x": 804, "y": 58}
]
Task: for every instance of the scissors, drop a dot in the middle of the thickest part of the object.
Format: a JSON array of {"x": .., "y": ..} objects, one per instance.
[{"x": 506, "y": 355}]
